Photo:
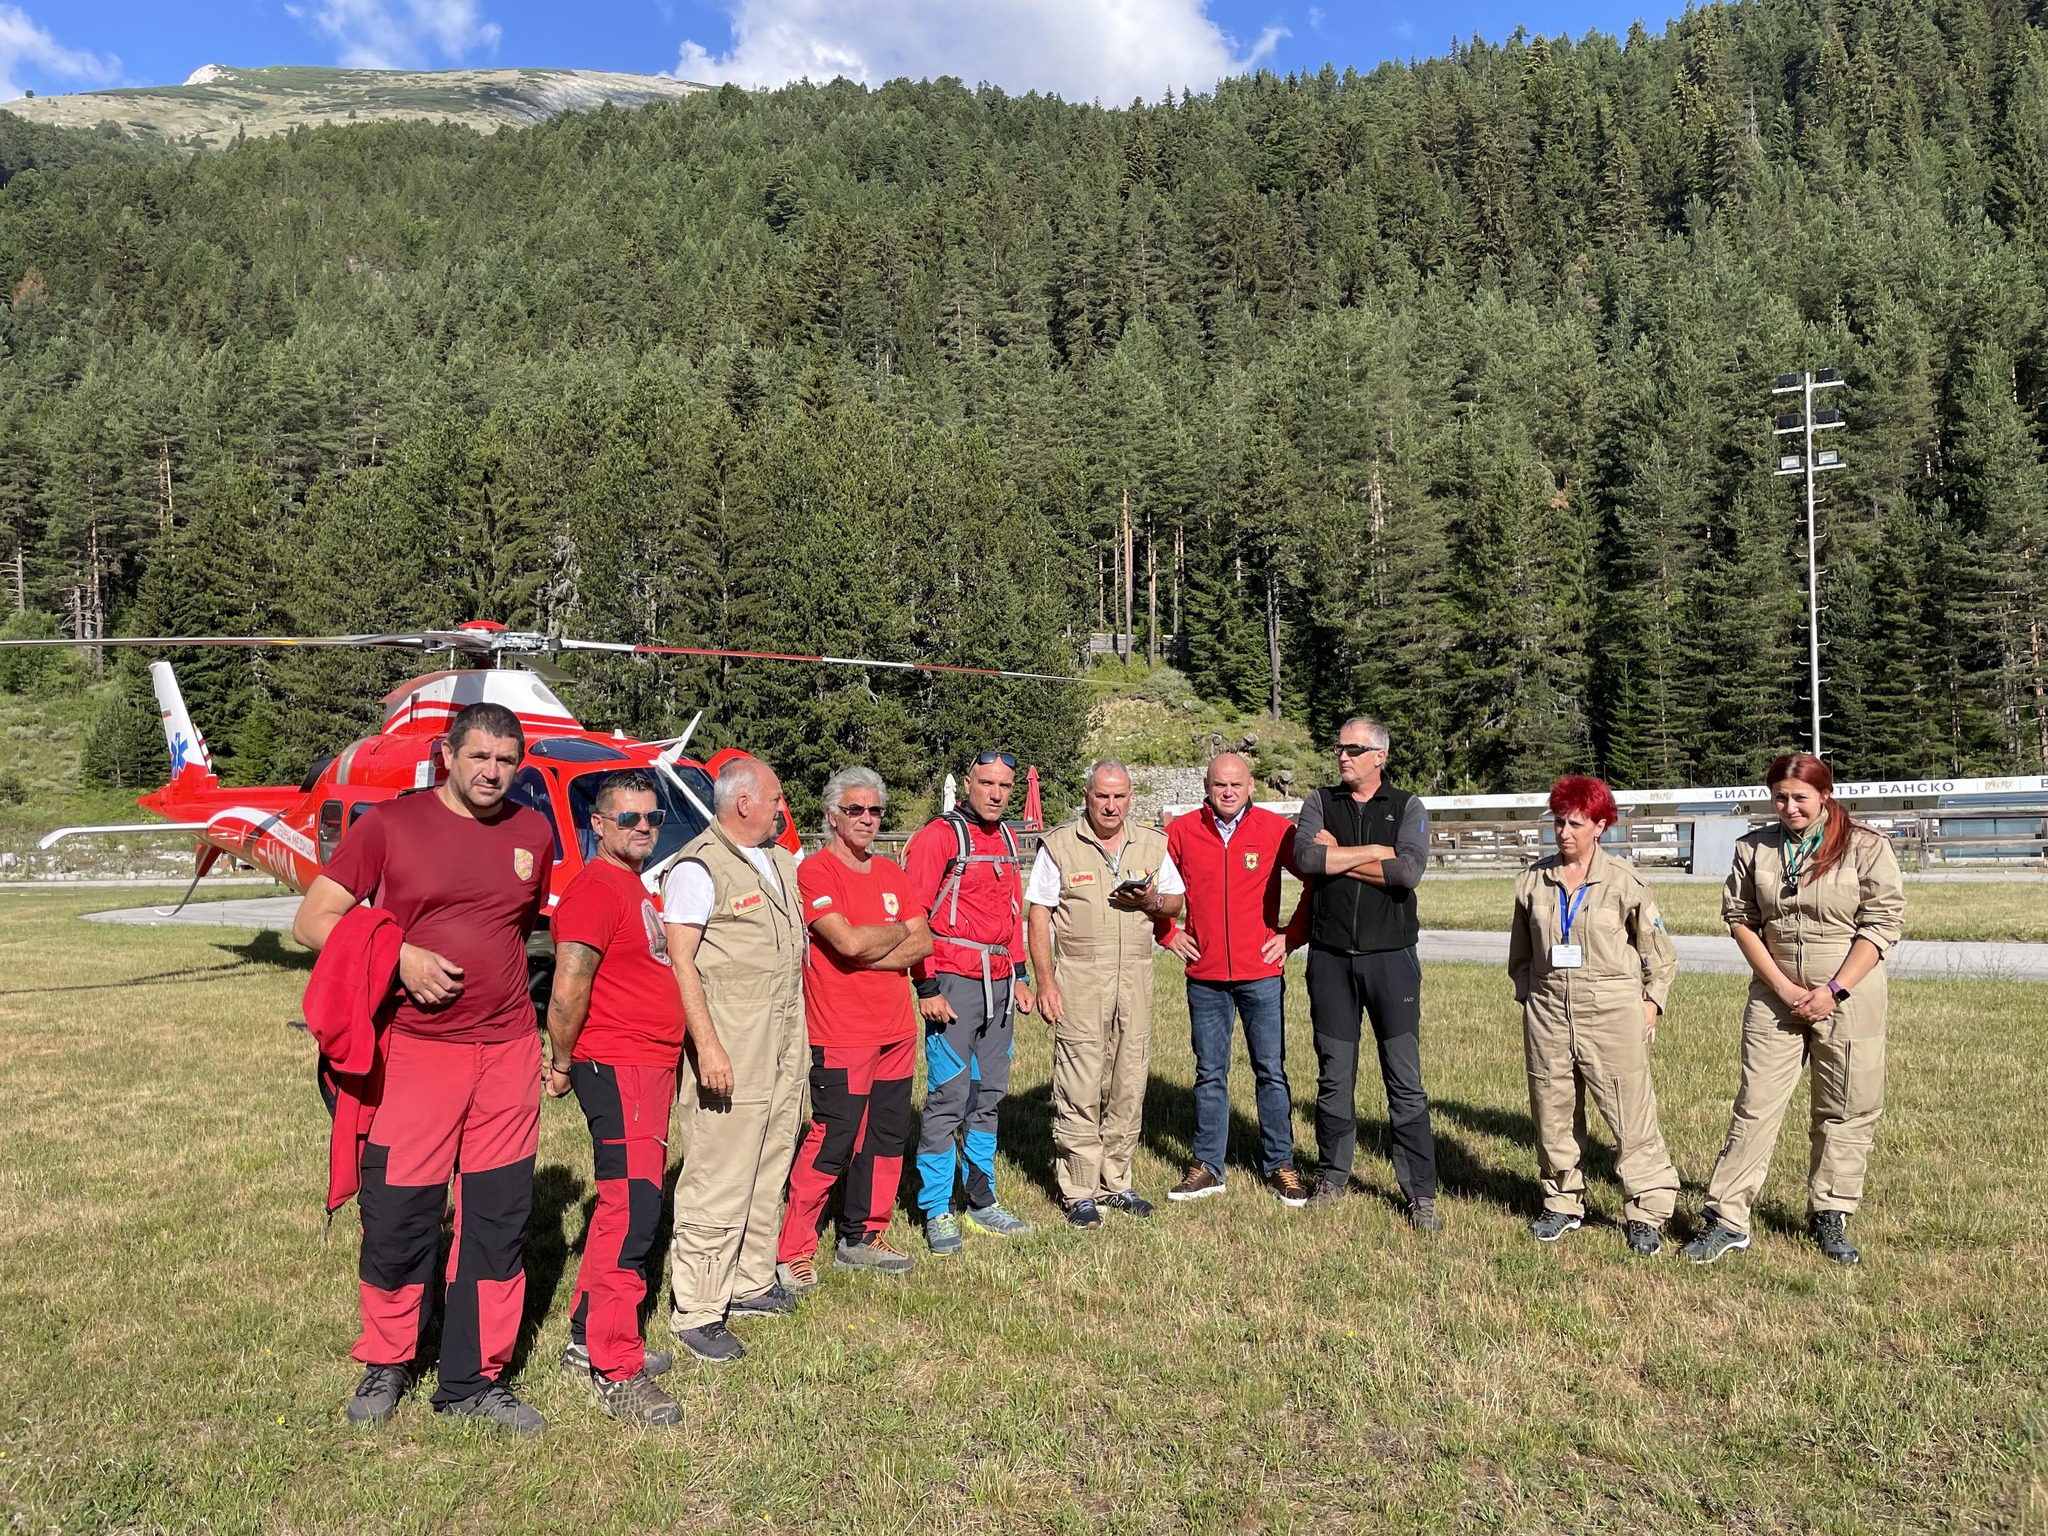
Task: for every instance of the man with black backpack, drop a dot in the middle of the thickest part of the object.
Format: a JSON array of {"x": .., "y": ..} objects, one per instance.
[{"x": 964, "y": 871}]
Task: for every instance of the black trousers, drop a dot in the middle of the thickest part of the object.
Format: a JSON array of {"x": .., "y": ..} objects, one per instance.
[{"x": 1343, "y": 990}]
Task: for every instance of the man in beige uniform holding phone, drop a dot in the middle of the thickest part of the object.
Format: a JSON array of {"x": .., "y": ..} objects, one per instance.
[
  {"x": 736, "y": 940},
  {"x": 1097, "y": 886}
]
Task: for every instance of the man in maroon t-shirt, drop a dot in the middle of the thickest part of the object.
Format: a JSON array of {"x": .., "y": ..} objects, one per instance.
[
  {"x": 456, "y": 1088},
  {"x": 615, "y": 1022},
  {"x": 866, "y": 933}
]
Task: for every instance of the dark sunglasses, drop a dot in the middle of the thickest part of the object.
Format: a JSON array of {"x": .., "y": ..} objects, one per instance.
[
  {"x": 1007, "y": 759},
  {"x": 1353, "y": 749},
  {"x": 628, "y": 820},
  {"x": 861, "y": 810}
]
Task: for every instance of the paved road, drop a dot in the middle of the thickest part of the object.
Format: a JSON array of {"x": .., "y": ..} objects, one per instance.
[{"x": 1914, "y": 959}]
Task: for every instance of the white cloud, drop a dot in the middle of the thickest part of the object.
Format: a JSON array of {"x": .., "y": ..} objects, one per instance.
[
  {"x": 400, "y": 34},
  {"x": 24, "y": 44},
  {"x": 1100, "y": 50}
]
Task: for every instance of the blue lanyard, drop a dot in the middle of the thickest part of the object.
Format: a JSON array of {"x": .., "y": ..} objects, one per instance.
[{"x": 1568, "y": 912}]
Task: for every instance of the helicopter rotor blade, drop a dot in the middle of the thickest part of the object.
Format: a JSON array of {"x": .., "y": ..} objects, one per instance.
[
  {"x": 431, "y": 640},
  {"x": 624, "y": 649}
]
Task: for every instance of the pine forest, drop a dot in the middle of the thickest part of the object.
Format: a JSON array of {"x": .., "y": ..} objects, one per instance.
[{"x": 1440, "y": 392}]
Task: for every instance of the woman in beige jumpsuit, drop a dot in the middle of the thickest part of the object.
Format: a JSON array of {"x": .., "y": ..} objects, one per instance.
[
  {"x": 1815, "y": 903},
  {"x": 1592, "y": 967}
]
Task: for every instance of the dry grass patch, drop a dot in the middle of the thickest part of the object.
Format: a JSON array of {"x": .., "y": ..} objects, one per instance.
[{"x": 174, "y": 1330}]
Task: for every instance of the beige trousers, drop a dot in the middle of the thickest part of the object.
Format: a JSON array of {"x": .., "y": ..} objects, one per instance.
[
  {"x": 736, "y": 1154},
  {"x": 1847, "y": 1052},
  {"x": 1100, "y": 1058},
  {"x": 1602, "y": 1048}
]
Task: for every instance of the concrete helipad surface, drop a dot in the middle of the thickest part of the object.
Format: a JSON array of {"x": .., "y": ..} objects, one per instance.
[
  {"x": 1913, "y": 960},
  {"x": 263, "y": 912}
]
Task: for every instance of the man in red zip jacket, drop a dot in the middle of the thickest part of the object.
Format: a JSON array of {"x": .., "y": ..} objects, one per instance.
[{"x": 1231, "y": 854}]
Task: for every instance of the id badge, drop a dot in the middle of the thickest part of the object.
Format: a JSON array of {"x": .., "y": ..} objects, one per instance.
[{"x": 1566, "y": 957}]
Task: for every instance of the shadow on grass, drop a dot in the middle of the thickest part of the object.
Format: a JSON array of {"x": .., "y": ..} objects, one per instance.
[
  {"x": 556, "y": 1188},
  {"x": 1464, "y": 1173},
  {"x": 264, "y": 949},
  {"x": 267, "y": 948}
]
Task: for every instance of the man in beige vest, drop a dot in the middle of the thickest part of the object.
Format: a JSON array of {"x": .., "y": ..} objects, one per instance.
[
  {"x": 736, "y": 940},
  {"x": 1097, "y": 886}
]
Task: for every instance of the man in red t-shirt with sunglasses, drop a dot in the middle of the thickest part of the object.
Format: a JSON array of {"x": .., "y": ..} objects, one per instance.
[
  {"x": 615, "y": 1026},
  {"x": 866, "y": 933}
]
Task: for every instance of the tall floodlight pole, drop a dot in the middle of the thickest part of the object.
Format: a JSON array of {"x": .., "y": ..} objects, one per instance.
[{"x": 1810, "y": 463}]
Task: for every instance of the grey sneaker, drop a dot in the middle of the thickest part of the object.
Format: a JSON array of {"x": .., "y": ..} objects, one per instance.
[
  {"x": 994, "y": 1221},
  {"x": 942, "y": 1234},
  {"x": 713, "y": 1344},
  {"x": 773, "y": 1302},
  {"x": 1552, "y": 1225},
  {"x": 1329, "y": 1192},
  {"x": 1644, "y": 1240},
  {"x": 873, "y": 1254},
  {"x": 1130, "y": 1202},
  {"x": 1422, "y": 1215},
  {"x": 378, "y": 1394},
  {"x": 497, "y": 1404},
  {"x": 1715, "y": 1243},
  {"x": 1830, "y": 1230},
  {"x": 797, "y": 1276},
  {"x": 576, "y": 1363},
  {"x": 637, "y": 1400}
]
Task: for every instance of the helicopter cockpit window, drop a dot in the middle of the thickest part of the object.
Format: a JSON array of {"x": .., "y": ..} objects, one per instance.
[
  {"x": 574, "y": 749},
  {"x": 682, "y": 823},
  {"x": 530, "y": 789}
]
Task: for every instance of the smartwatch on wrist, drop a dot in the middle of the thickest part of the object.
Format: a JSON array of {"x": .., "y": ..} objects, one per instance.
[{"x": 1841, "y": 992}]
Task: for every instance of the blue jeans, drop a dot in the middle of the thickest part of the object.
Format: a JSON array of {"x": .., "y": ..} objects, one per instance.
[{"x": 1210, "y": 1007}]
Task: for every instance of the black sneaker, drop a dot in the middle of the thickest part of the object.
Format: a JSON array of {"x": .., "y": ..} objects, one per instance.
[
  {"x": 497, "y": 1404},
  {"x": 1330, "y": 1191},
  {"x": 576, "y": 1363},
  {"x": 1830, "y": 1230},
  {"x": 1082, "y": 1213},
  {"x": 378, "y": 1394},
  {"x": 1130, "y": 1202},
  {"x": 713, "y": 1344},
  {"x": 1715, "y": 1243},
  {"x": 773, "y": 1302},
  {"x": 637, "y": 1400},
  {"x": 1644, "y": 1240},
  {"x": 1552, "y": 1225}
]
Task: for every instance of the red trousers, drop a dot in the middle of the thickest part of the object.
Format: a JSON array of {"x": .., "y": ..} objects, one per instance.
[
  {"x": 860, "y": 1126},
  {"x": 628, "y": 1109},
  {"x": 471, "y": 1112}
]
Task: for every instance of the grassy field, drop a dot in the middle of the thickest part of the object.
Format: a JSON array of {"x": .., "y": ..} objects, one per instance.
[
  {"x": 1935, "y": 909},
  {"x": 174, "y": 1330}
]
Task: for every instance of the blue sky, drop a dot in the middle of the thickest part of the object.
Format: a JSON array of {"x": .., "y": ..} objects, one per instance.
[{"x": 1106, "y": 49}]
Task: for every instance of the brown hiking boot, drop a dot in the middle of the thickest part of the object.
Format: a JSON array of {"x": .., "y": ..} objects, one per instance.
[
  {"x": 1287, "y": 1185},
  {"x": 637, "y": 1400},
  {"x": 1201, "y": 1180},
  {"x": 1422, "y": 1215}
]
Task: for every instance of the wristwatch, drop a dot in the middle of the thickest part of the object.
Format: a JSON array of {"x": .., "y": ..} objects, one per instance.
[{"x": 1841, "y": 992}]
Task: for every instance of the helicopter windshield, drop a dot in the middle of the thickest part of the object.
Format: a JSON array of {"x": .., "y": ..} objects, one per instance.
[{"x": 683, "y": 821}]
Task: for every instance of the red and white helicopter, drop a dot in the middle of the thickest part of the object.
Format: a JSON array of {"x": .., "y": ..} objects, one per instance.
[{"x": 290, "y": 831}]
